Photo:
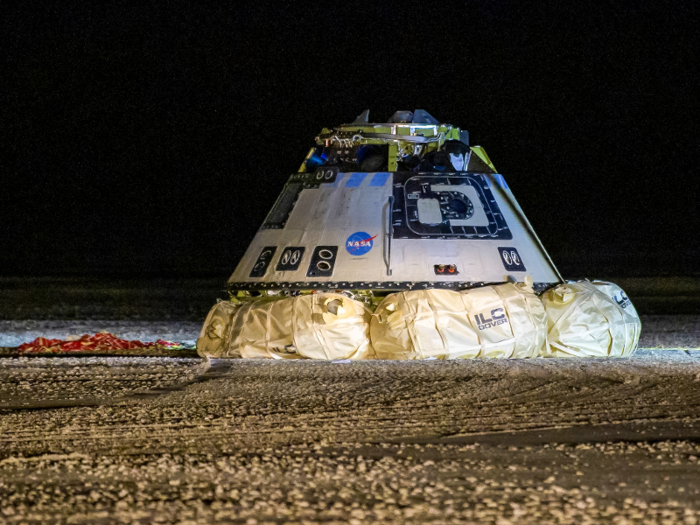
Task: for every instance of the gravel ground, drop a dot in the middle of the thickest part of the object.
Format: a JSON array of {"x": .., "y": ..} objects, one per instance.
[
  {"x": 658, "y": 331},
  {"x": 617, "y": 483},
  {"x": 670, "y": 331},
  {"x": 46, "y": 382},
  {"x": 145, "y": 299},
  {"x": 14, "y": 333},
  {"x": 142, "y": 440}
]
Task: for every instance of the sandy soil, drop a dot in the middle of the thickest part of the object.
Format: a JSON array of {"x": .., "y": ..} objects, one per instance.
[
  {"x": 14, "y": 333},
  {"x": 603, "y": 483},
  {"x": 181, "y": 440},
  {"x": 143, "y": 440},
  {"x": 658, "y": 331}
]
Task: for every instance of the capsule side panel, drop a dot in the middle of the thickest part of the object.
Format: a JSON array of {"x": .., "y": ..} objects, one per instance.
[{"x": 448, "y": 230}]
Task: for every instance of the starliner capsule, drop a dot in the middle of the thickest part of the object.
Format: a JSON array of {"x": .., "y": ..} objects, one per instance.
[
  {"x": 399, "y": 240},
  {"x": 401, "y": 205}
]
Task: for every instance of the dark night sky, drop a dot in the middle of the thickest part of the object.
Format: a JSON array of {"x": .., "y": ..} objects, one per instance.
[{"x": 154, "y": 139}]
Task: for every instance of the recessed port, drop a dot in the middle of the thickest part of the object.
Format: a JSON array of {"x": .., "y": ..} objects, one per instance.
[{"x": 445, "y": 269}]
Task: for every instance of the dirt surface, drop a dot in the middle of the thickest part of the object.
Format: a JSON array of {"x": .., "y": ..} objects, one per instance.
[
  {"x": 144, "y": 440},
  {"x": 80, "y": 298},
  {"x": 613, "y": 483},
  {"x": 185, "y": 441},
  {"x": 14, "y": 333},
  {"x": 658, "y": 331}
]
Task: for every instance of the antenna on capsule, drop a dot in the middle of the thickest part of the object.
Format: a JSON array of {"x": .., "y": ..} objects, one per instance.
[{"x": 362, "y": 118}]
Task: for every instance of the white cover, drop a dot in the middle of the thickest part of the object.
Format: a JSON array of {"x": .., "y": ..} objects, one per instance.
[
  {"x": 492, "y": 321},
  {"x": 319, "y": 326},
  {"x": 618, "y": 295},
  {"x": 586, "y": 320},
  {"x": 215, "y": 333},
  {"x": 519, "y": 331},
  {"x": 633, "y": 323},
  {"x": 423, "y": 323}
]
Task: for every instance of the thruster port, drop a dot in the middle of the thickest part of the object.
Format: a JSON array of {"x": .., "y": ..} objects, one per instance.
[{"x": 445, "y": 269}]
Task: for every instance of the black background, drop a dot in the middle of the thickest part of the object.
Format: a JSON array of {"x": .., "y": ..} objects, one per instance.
[{"x": 153, "y": 140}]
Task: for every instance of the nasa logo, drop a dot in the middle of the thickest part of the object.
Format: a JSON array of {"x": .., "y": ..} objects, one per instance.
[{"x": 359, "y": 243}]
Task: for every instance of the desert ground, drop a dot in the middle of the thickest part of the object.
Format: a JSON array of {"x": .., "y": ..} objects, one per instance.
[{"x": 184, "y": 440}]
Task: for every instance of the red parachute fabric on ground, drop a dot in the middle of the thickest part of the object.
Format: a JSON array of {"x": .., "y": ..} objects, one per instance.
[{"x": 102, "y": 342}]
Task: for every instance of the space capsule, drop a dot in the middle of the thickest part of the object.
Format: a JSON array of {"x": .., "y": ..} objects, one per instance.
[
  {"x": 401, "y": 205},
  {"x": 399, "y": 240}
]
